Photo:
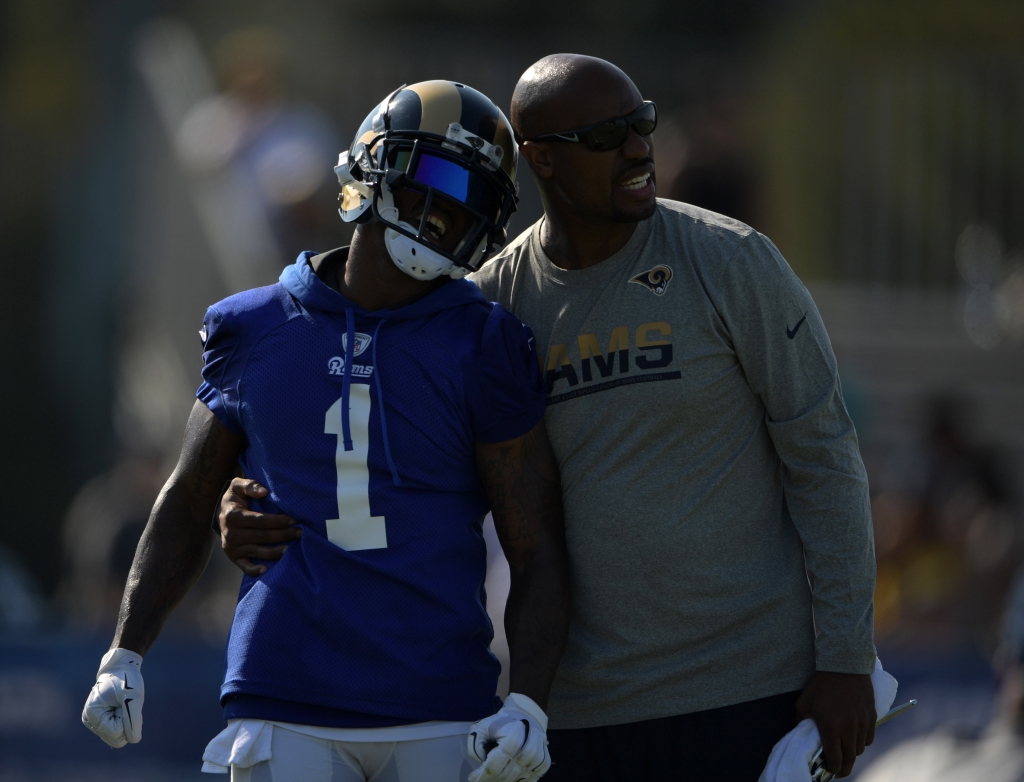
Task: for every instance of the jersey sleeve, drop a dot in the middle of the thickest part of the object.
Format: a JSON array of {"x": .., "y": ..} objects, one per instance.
[
  {"x": 506, "y": 397},
  {"x": 786, "y": 356},
  {"x": 221, "y": 369}
]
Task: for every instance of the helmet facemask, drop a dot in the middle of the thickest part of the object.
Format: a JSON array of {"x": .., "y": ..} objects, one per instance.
[{"x": 444, "y": 210}]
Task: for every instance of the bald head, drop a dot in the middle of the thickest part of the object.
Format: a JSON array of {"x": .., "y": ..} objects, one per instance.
[
  {"x": 579, "y": 185},
  {"x": 558, "y": 93}
]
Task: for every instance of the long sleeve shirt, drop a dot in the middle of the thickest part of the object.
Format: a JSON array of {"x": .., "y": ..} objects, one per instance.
[{"x": 716, "y": 504}]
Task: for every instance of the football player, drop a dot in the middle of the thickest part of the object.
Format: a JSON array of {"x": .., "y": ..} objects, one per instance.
[{"x": 385, "y": 406}]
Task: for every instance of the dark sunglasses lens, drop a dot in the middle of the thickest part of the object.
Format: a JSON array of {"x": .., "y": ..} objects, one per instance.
[
  {"x": 608, "y": 135},
  {"x": 612, "y": 134},
  {"x": 645, "y": 119}
]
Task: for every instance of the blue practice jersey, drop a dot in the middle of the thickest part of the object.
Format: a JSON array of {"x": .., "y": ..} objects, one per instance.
[{"x": 362, "y": 426}]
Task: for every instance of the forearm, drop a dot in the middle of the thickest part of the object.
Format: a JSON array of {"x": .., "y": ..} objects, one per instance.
[
  {"x": 844, "y": 614},
  {"x": 839, "y": 557},
  {"x": 172, "y": 554},
  {"x": 525, "y": 492},
  {"x": 177, "y": 541},
  {"x": 537, "y": 621},
  {"x": 827, "y": 498}
]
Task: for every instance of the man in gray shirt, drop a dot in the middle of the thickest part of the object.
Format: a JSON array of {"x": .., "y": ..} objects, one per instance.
[
  {"x": 705, "y": 451},
  {"x": 709, "y": 469}
]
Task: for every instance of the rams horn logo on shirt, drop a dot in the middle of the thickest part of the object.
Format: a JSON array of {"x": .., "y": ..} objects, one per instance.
[{"x": 655, "y": 279}]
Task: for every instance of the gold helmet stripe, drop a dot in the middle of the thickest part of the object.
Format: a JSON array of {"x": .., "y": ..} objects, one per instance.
[
  {"x": 503, "y": 138},
  {"x": 367, "y": 137},
  {"x": 440, "y": 103}
]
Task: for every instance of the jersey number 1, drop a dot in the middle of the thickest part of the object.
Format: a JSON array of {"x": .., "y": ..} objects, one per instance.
[{"x": 354, "y": 529}]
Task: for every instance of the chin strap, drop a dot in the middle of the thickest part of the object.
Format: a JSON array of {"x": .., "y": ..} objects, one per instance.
[
  {"x": 346, "y": 378},
  {"x": 417, "y": 259},
  {"x": 414, "y": 258}
]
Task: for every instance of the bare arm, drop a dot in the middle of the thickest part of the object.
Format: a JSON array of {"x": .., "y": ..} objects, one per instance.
[
  {"x": 524, "y": 490},
  {"x": 177, "y": 541}
]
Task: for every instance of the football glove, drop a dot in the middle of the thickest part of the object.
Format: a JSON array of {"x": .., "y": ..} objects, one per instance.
[
  {"x": 512, "y": 744},
  {"x": 113, "y": 710}
]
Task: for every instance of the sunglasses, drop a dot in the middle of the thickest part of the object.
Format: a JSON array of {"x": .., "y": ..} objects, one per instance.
[{"x": 611, "y": 133}]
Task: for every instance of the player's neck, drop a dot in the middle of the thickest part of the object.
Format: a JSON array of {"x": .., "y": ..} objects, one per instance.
[
  {"x": 370, "y": 279},
  {"x": 572, "y": 240}
]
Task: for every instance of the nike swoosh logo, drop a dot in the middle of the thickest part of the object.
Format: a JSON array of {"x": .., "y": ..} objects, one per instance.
[
  {"x": 128, "y": 712},
  {"x": 792, "y": 332}
]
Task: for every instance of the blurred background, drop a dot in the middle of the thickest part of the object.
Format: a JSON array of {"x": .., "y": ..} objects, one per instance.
[{"x": 158, "y": 156}]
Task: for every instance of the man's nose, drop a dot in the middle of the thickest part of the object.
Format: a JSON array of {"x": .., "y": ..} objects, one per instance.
[{"x": 637, "y": 146}]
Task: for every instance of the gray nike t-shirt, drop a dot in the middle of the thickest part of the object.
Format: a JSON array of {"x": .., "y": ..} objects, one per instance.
[{"x": 705, "y": 451}]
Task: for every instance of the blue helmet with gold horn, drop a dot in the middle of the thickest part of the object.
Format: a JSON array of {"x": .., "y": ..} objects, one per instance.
[{"x": 435, "y": 162}]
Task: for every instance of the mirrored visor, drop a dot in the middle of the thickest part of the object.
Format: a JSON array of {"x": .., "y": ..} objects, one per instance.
[{"x": 457, "y": 182}]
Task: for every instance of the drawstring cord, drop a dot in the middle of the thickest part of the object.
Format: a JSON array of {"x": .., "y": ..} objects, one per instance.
[
  {"x": 346, "y": 384},
  {"x": 346, "y": 380},
  {"x": 380, "y": 407}
]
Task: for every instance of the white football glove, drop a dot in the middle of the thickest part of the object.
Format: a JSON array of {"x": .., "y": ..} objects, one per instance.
[
  {"x": 113, "y": 710},
  {"x": 512, "y": 744}
]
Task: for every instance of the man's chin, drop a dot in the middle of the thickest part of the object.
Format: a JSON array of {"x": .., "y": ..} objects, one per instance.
[{"x": 635, "y": 212}]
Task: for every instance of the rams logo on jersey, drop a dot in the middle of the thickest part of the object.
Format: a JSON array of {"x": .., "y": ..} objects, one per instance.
[
  {"x": 655, "y": 280},
  {"x": 336, "y": 367}
]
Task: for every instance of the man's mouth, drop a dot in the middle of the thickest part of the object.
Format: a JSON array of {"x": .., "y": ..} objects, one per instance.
[
  {"x": 637, "y": 182},
  {"x": 436, "y": 226}
]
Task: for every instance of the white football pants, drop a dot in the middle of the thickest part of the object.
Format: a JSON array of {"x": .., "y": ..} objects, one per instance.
[{"x": 301, "y": 758}]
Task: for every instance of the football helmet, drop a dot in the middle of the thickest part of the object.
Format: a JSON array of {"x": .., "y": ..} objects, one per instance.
[{"x": 454, "y": 147}]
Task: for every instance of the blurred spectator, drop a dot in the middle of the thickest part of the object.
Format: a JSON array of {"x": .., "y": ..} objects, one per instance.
[
  {"x": 281, "y": 151},
  {"x": 947, "y": 537}
]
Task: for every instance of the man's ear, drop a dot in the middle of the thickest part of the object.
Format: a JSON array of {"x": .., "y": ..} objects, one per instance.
[{"x": 539, "y": 158}]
